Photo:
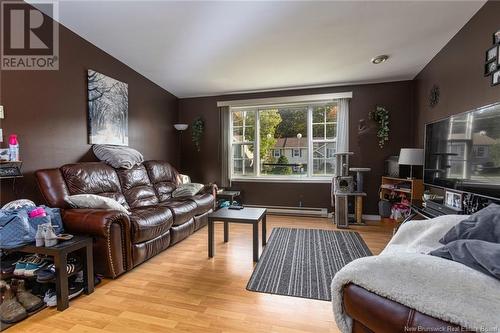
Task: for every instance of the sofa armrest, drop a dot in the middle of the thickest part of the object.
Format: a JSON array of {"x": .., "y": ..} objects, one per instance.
[
  {"x": 93, "y": 222},
  {"x": 210, "y": 189},
  {"x": 373, "y": 313},
  {"x": 110, "y": 230}
]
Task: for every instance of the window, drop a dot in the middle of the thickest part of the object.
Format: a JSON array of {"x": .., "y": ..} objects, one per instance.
[
  {"x": 481, "y": 152},
  {"x": 243, "y": 137},
  {"x": 324, "y": 126},
  {"x": 283, "y": 141}
]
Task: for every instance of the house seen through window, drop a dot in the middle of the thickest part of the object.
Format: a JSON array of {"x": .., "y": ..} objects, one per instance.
[{"x": 284, "y": 141}]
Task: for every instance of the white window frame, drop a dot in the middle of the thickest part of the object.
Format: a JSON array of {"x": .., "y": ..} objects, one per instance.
[
  {"x": 298, "y": 151},
  {"x": 242, "y": 143},
  {"x": 236, "y": 106},
  {"x": 324, "y": 141}
]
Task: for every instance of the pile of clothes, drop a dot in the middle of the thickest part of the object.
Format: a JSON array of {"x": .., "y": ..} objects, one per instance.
[{"x": 19, "y": 224}]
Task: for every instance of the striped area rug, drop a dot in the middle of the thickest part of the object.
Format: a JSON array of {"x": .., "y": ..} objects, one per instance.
[{"x": 302, "y": 262}]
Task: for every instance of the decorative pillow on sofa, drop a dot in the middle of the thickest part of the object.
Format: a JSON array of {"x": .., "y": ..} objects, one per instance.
[
  {"x": 483, "y": 225},
  {"x": 94, "y": 201},
  {"x": 187, "y": 190},
  {"x": 118, "y": 156},
  {"x": 475, "y": 242},
  {"x": 476, "y": 254}
]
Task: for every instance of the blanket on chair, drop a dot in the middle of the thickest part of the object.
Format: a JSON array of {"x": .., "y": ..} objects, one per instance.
[{"x": 406, "y": 274}]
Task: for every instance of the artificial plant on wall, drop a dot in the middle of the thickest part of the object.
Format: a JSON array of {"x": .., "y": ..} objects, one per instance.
[
  {"x": 197, "y": 129},
  {"x": 381, "y": 116}
]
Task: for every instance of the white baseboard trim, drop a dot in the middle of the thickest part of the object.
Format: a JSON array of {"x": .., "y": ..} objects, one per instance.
[
  {"x": 369, "y": 217},
  {"x": 294, "y": 211},
  {"x": 366, "y": 217}
]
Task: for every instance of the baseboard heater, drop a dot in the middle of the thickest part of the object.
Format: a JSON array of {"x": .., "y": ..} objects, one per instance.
[{"x": 296, "y": 211}]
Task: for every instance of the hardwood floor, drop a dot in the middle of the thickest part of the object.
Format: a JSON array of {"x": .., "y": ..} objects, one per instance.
[{"x": 181, "y": 290}]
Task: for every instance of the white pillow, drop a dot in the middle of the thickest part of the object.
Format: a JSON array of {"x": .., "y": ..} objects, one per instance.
[
  {"x": 94, "y": 201},
  {"x": 187, "y": 190}
]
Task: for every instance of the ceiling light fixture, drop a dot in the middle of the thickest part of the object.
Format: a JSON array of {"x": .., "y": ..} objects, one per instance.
[{"x": 380, "y": 59}]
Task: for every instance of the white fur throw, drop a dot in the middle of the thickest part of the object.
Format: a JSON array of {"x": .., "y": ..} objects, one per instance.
[{"x": 440, "y": 288}]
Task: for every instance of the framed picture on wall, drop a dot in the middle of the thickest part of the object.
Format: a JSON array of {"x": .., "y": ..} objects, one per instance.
[
  {"x": 495, "y": 78},
  {"x": 490, "y": 68},
  {"x": 496, "y": 37},
  {"x": 108, "y": 109},
  {"x": 492, "y": 53}
]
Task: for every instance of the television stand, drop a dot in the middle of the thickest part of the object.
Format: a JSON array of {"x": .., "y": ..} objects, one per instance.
[{"x": 424, "y": 212}]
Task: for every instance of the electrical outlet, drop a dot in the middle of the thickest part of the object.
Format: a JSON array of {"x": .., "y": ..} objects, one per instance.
[
  {"x": 1, "y": 135},
  {"x": 1, "y": 112}
]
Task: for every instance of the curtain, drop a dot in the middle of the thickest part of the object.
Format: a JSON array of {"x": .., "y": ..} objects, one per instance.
[
  {"x": 342, "y": 137},
  {"x": 224, "y": 147},
  {"x": 343, "y": 125}
]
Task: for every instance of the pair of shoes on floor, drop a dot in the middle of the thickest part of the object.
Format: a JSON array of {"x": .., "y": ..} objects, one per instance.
[
  {"x": 17, "y": 305},
  {"x": 74, "y": 289},
  {"x": 28, "y": 266},
  {"x": 7, "y": 264},
  {"x": 97, "y": 278},
  {"x": 48, "y": 274},
  {"x": 45, "y": 235}
]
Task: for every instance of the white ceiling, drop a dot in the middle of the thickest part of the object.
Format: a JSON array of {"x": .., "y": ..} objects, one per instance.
[{"x": 210, "y": 48}]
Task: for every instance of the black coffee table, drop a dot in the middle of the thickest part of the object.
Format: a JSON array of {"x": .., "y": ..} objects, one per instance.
[{"x": 246, "y": 215}]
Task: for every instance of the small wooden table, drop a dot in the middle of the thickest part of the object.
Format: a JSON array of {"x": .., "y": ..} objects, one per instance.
[
  {"x": 228, "y": 195},
  {"x": 60, "y": 253},
  {"x": 246, "y": 215}
]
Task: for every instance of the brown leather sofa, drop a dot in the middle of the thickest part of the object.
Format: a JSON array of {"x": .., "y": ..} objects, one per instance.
[
  {"x": 372, "y": 313},
  {"x": 123, "y": 241}
]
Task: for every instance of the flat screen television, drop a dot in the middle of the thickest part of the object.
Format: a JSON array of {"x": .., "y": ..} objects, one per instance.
[{"x": 462, "y": 152}]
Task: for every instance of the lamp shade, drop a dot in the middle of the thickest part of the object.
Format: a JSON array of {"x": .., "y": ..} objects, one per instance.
[
  {"x": 181, "y": 127},
  {"x": 411, "y": 156}
]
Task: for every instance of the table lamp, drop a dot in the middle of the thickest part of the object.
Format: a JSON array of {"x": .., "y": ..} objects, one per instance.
[{"x": 411, "y": 157}]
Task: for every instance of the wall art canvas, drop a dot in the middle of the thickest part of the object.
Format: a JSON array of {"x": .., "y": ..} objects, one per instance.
[{"x": 108, "y": 110}]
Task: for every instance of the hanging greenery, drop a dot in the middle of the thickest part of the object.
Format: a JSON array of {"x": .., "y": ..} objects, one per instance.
[
  {"x": 381, "y": 116},
  {"x": 197, "y": 132}
]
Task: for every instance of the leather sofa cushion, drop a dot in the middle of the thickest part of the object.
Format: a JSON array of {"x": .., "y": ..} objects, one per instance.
[
  {"x": 53, "y": 187},
  {"x": 164, "y": 190},
  {"x": 136, "y": 187},
  {"x": 181, "y": 232},
  {"x": 182, "y": 211},
  {"x": 145, "y": 250},
  {"x": 149, "y": 222},
  {"x": 204, "y": 202},
  {"x": 93, "y": 178},
  {"x": 164, "y": 178}
]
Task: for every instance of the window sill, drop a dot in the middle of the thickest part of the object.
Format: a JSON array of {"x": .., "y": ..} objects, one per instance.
[{"x": 315, "y": 180}]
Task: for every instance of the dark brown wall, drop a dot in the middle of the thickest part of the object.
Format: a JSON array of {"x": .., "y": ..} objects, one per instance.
[
  {"x": 458, "y": 70},
  {"x": 48, "y": 110},
  {"x": 397, "y": 97}
]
